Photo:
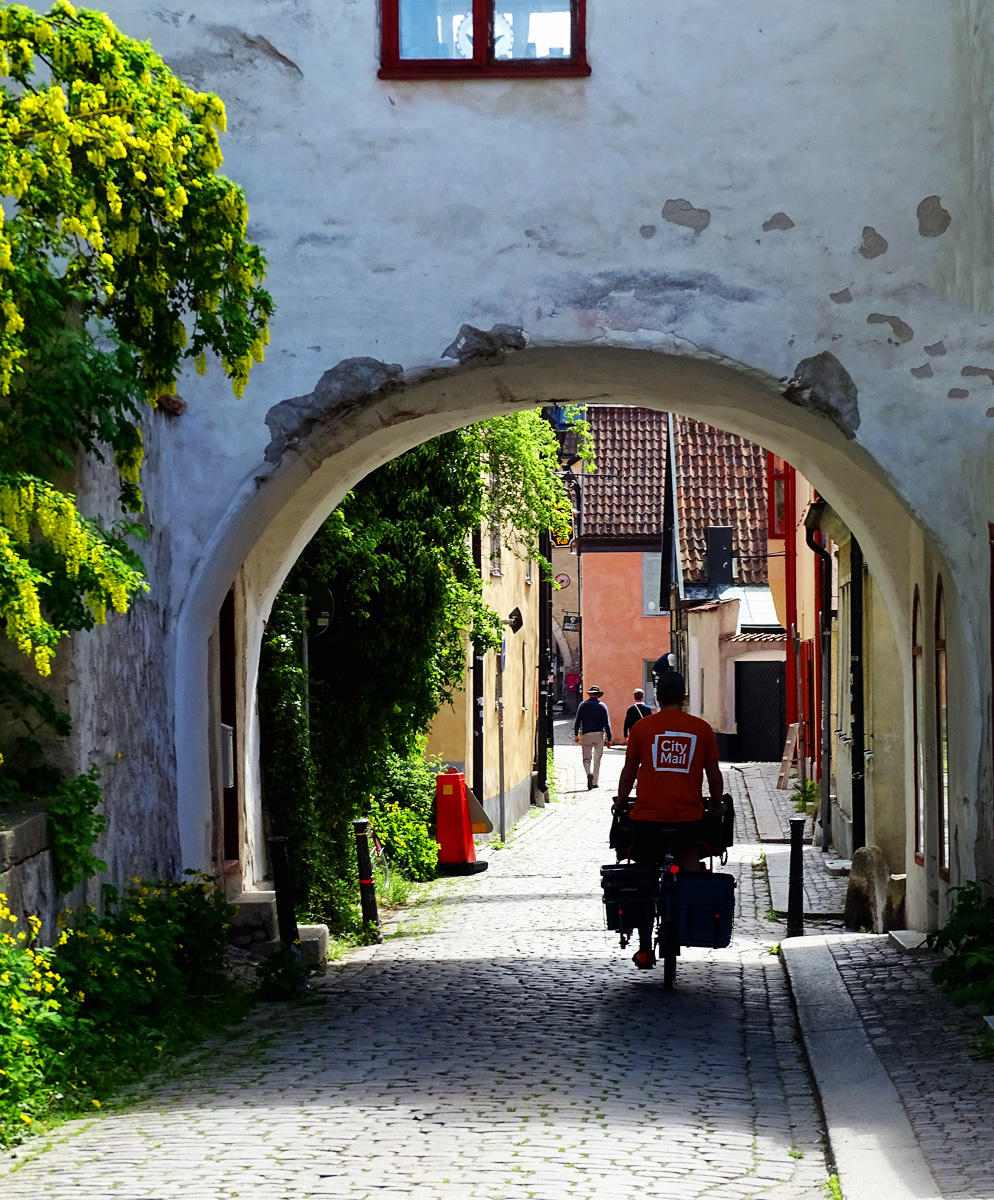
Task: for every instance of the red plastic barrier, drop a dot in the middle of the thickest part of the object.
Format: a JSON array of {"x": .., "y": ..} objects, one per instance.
[{"x": 453, "y": 828}]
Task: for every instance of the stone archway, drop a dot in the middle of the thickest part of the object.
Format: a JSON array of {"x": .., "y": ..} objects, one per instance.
[{"x": 364, "y": 413}]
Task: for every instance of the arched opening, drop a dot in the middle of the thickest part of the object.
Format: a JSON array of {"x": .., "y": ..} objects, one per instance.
[{"x": 277, "y": 512}]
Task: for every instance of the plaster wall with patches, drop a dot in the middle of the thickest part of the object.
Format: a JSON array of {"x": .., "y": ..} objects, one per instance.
[{"x": 777, "y": 219}]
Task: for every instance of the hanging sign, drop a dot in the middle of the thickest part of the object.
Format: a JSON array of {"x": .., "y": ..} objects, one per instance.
[{"x": 571, "y": 622}]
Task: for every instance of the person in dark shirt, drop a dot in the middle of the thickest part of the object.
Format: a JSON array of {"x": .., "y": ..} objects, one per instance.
[
  {"x": 592, "y": 730},
  {"x": 637, "y": 711}
]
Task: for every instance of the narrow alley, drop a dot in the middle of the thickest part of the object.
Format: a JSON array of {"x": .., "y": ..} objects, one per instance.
[{"x": 498, "y": 1045}]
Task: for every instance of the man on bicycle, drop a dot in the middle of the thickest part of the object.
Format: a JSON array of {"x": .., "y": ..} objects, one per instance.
[{"x": 669, "y": 754}]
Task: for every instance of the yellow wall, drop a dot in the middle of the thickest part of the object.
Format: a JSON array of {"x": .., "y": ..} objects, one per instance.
[{"x": 451, "y": 734}]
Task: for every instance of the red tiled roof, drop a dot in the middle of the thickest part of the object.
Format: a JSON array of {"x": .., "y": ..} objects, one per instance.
[
  {"x": 624, "y": 496},
  {"x": 721, "y": 480}
]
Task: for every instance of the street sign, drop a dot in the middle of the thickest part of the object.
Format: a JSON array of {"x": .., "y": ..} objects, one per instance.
[{"x": 571, "y": 622}]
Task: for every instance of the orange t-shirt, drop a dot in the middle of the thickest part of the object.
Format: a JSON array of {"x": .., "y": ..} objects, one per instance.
[{"x": 671, "y": 748}]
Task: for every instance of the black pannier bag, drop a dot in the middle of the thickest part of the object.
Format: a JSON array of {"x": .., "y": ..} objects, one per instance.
[
  {"x": 718, "y": 833},
  {"x": 622, "y": 834},
  {"x": 706, "y": 908},
  {"x": 630, "y": 893}
]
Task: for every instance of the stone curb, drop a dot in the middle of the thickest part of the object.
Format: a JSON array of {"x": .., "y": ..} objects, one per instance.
[{"x": 876, "y": 1153}]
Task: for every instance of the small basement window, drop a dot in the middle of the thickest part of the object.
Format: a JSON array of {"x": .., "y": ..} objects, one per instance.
[{"x": 493, "y": 39}]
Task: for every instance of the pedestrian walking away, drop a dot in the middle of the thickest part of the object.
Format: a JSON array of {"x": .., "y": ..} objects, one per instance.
[
  {"x": 636, "y": 712},
  {"x": 592, "y": 731}
]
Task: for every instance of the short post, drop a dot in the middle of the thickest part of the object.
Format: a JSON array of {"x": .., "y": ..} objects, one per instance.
[
  {"x": 795, "y": 882},
  {"x": 286, "y": 918},
  {"x": 367, "y": 888}
]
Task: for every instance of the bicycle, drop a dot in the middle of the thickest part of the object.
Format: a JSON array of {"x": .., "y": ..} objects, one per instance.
[
  {"x": 378, "y": 855},
  {"x": 685, "y": 908}
]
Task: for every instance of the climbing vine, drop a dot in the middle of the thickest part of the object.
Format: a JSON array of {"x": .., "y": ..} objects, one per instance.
[
  {"x": 396, "y": 556},
  {"x": 122, "y": 252}
]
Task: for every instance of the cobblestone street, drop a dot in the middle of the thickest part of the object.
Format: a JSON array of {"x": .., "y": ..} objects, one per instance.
[{"x": 499, "y": 1045}]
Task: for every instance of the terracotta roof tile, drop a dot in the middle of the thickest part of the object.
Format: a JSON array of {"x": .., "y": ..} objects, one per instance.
[
  {"x": 721, "y": 480},
  {"x": 624, "y": 496}
]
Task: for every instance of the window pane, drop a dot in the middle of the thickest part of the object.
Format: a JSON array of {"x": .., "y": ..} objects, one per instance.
[
  {"x": 651, "y": 564},
  {"x": 919, "y": 756},
  {"x": 436, "y": 29},
  {"x": 779, "y": 508},
  {"x": 536, "y": 29},
  {"x": 943, "y": 763}
]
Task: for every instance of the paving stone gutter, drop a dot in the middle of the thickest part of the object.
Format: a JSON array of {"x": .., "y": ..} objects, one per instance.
[{"x": 907, "y": 1094}]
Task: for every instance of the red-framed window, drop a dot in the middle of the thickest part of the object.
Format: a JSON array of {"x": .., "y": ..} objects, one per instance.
[
  {"x": 490, "y": 39},
  {"x": 918, "y": 724},
  {"x": 942, "y": 730},
  {"x": 777, "y": 471}
]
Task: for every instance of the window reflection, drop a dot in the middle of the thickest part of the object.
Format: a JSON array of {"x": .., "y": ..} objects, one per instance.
[
  {"x": 436, "y": 29},
  {"x": 536, "y": 29}
]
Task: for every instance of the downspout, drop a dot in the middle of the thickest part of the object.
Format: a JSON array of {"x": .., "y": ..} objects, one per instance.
[
  {"x": 856, "y": 678},
  {"x": 811, "y": 522},
  {"x": 544, "y": 714},
  {"x": 478, "y": 686},
  {"x": 794, "y": 715}
]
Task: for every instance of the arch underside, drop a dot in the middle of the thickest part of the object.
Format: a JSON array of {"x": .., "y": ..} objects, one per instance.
[{"x": 280, "y": 508}]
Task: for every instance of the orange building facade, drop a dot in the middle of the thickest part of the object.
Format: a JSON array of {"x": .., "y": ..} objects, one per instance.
[{"x": 620, "y": 642}]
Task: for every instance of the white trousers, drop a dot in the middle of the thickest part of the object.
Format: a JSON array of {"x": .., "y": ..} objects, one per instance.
[{"x": 592, "y": 745}]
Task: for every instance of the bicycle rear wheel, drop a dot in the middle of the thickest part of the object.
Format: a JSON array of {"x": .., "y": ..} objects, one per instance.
[
  {"x": 666, "y": 937},
  {"x": 669, "y": 965}
]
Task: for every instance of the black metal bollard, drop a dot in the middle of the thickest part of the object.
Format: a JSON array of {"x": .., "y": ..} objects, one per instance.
[
  {"x": 286, "y": 918},
  {"x": 367, "y": 888},
  {"x": 795, "y": 881}
]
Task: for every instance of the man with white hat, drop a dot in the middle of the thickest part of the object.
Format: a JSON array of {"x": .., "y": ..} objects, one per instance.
[{"x": 592, "y": 731}]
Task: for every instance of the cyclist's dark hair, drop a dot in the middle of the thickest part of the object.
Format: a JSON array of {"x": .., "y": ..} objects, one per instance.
[{"x": 670, "y": 688}]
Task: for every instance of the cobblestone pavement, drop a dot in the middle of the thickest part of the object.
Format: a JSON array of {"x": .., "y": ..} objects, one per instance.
[
  {"x": 763, "y": 777},
  {"x": 824, "y": 891},
  {"x": 500, "y": 1047},
  {"x": 929, "y": 1047}
]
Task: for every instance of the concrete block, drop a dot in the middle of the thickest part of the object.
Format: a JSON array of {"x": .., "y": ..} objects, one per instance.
[
  {"x": 23, "y": 833},
  {"x": 313, "y": 945},
  {"x": 254, "y": 911},
  {"x": 908, "y": 941},
  {"x": 866, "y": 896},
  {"x": 838, "y": 866},
  {"x": 893, "y": 914}
]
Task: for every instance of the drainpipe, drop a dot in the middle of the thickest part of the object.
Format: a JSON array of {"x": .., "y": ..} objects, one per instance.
[
  {"x": 478, "y": 687},
  {"x": 856, "y": 704},
  {"x": 545, "y": 689},
  {"x": 811, "y": 522}
]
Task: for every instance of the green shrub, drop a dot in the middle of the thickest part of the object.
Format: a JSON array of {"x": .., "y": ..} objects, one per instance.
[
  {"x": 402, "y": 812},
  {"x": 968, "y": 937},
  {"x": 36, "y": 1012},
  {"x": 804, "y": 794},
  {"x": 78, "y": 1020},
  {"x": 73, "y": 827}
]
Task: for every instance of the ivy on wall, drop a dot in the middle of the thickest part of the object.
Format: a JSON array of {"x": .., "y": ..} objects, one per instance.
[{"x": 396, "y": 557}]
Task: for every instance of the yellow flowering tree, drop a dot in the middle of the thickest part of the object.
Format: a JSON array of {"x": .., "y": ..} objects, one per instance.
[
  {"x": 119, "y": 226},
  {"x": 123, "y": 252}
]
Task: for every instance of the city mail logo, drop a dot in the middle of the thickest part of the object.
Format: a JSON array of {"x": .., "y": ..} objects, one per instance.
[{"x": 673, "y": 751}]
